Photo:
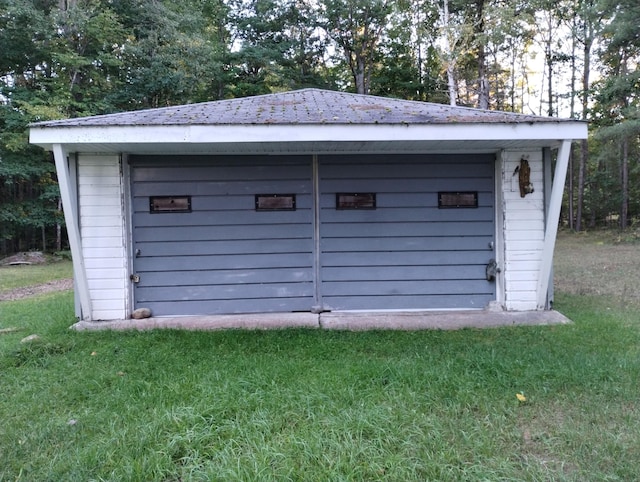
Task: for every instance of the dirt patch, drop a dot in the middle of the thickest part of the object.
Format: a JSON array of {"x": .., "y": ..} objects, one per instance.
[
  {"x": 29, "y": 291},
  {"x": 30, "y": 257}
]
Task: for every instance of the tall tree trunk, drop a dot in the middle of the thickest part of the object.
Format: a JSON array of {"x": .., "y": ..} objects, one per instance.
[
  {"x": 550, "y": 81},
  {"x": 483, "y": 81},
  {"x": 59, "y": 229},
  {"x": 584, "y": 156},
  {"x": 572, "y": 105},
  {"x": 588, "y": 34},
  {"x": 450, "y": 61},
  {"x": 624, "y": 180},
  {"x": 358, "y": 70}
]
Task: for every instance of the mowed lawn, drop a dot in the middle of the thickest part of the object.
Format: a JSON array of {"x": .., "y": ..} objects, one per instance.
[{"x": 327, "y": 405}]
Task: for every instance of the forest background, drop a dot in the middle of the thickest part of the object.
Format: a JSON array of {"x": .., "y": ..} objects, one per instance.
[{"x": 70, "y": 58}]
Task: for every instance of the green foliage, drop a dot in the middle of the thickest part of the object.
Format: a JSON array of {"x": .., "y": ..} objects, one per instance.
[
  {"x": 357, "y": 26},
  {"x": 61, "y": 59},
  {"x": 616, "y": 113}
]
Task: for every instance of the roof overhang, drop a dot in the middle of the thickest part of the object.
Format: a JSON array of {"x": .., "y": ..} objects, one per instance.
[{"x": 305, "y": 138}]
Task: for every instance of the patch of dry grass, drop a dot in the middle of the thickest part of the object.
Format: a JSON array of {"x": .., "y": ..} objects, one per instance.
[
  {"x": 598, "y": 263},
  {"x": 12, "y": 277}
]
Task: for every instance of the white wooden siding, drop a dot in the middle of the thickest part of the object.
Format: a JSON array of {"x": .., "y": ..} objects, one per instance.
[
  {"x": 102, "y": 229},
  {"x": 524, "y": 223}
]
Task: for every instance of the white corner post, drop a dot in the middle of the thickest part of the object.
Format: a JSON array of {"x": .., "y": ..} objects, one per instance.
[
  {"x": 73, "y": 229},
  {"x": 553, "y": 218}
]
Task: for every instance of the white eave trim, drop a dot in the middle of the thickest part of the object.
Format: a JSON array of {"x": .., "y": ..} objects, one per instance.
[{"x": 46, "y": 137}]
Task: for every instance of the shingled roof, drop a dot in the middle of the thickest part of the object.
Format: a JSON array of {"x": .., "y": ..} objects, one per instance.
[{"x": 304, "y": 107}]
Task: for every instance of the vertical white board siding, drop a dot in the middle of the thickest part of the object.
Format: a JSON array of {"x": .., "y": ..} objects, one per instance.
[
  {"x": 101, "y": 214},
  {"x": 524, "y": 224}
]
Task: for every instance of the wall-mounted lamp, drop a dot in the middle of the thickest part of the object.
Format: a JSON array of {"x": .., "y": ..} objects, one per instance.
[{"x": 524, "y": 177}]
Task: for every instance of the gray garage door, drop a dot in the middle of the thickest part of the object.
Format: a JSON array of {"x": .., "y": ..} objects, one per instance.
[
  {"x": 236, "y": 234},
  {"x": 406, "y": 232},
  {"x": 222, "y": 235}
]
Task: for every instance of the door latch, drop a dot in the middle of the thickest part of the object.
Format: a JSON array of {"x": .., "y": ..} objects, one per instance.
[
  {"x": 135, "y": 278},
  {"x": 492, "y": 270}
]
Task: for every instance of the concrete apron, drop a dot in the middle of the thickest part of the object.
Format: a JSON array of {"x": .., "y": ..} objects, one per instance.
[{"x": 345, "y": 320}]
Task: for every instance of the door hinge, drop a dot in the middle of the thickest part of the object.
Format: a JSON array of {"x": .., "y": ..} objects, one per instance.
[{"x": 135, "y": 278}]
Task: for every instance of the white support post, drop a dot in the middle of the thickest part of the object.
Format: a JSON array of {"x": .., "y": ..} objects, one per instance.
[
  {"x": 73, "y": 229},
  {"x": 553, "y": 218}
]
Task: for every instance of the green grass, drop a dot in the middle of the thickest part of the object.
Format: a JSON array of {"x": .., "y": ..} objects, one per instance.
[
  {"x": 27, "y": 275},
  {"x": 321, "y": 405},
  {"x": 601, "y": 263}
]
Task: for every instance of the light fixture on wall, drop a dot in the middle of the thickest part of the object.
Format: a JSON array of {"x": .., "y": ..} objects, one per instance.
[{"x": 523, "y": 170}]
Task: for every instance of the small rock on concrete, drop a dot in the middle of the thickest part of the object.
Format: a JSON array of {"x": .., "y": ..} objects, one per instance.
[{"x": 141, "y": 313}]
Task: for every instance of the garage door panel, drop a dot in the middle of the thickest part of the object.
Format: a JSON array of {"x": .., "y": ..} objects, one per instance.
[
  {"x": 411, "y": 185},
  {"x": 404, "y": 302},
  {"x": 231, "y": 306},
  {"x": 223, "y": 277},
  {"x": 390, "y": 288},
  {"x": 408, "y": 243},
  {"x": 372, "y": 230},
  {"x": 412, "y": 273},
  {"x": 199, "y": 262},
  {"x": 409, "y": 258},
  {"x": 223, "y": 172},
  {"x": 196, "y": 188},
  {"x": 186, "y": 162},
  {"x": 224, "y": 247},
  {"x": 238, "y": 232},
  {"x": 413, "y": 214},
  {"x": 391, "y": 200},
  {"x": 225, "y": 292},
  {"x": 223, "y": 256},
  {"x": 407, "y": 252},
  {"x": 466, "y": 168},
  {"x": 224, "y": 218},
  {"x": 227, "y": 202}
]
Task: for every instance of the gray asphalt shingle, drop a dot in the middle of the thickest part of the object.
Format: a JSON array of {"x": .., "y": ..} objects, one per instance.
[{"x": 306, "y": 106}]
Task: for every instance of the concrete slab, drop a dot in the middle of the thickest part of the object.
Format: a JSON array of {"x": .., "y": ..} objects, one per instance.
[
  {"x": 438, "y": 320},
  {"x": 262, "y": 321},
  {"x": 412, "y": 320}
]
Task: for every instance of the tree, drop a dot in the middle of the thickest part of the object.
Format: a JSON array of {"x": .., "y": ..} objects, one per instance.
[
  {"x": 357, "y": 26},
  {"x": 409, "y": 66},
  {"x": 619, "y": 96},
  {"x": 587, "y": 26}
]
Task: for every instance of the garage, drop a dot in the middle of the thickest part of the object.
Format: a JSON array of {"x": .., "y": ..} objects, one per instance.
[
  {"x": 310, "y": 202},
  {"x": 240, "y": 234}
]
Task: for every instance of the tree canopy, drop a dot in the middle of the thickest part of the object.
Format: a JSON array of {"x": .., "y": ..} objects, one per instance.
[{"x": 69, "y": 58}]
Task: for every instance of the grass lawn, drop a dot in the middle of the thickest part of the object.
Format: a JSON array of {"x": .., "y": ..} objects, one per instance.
[
  {"x": 27, "y": 275},
  {"x": 321, "y": 405}
]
